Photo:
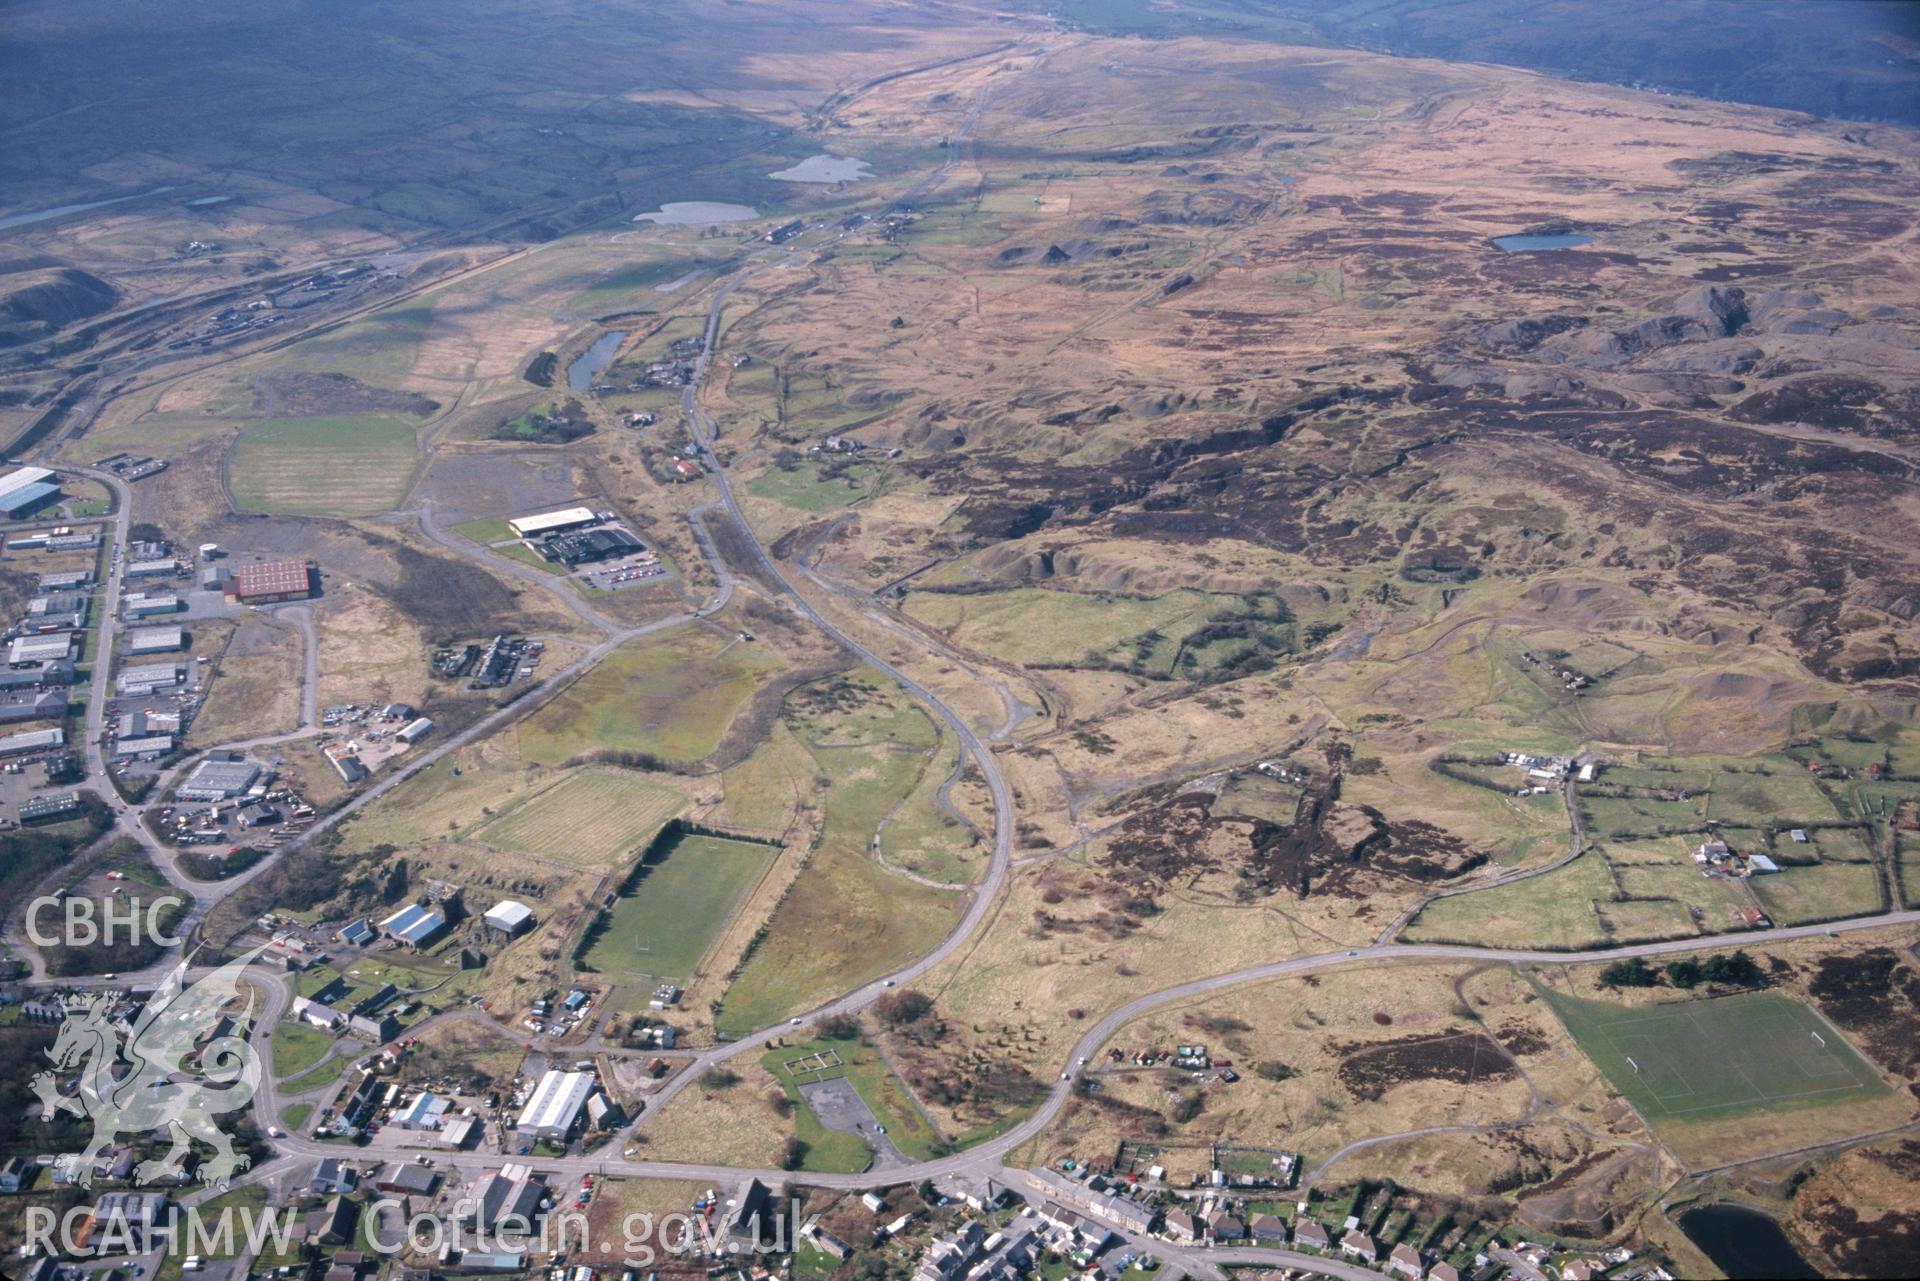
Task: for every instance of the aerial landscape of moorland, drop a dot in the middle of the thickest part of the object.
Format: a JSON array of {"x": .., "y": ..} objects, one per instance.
[{"x": 1081, "y": 640}]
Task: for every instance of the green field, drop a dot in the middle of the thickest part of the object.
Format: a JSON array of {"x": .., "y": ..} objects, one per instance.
[
  {"x": 672, "y": 697},
  {"x": 354, "y": 466},
  {"x": 663, "y": 927},
  {"x": 297, "y": 1047},
  {"x": 1689, "y": 1061},
  {"x": 1824, "y": 892},
  {"x": 875, "y": 1083},
  {"x": 588, "y": 819},
  {"x": 326, "y": 1074},
  {"x": 486, "y": 531},
  {"x": 808, "y": 488},
  {"x": 381, "y": 347}
]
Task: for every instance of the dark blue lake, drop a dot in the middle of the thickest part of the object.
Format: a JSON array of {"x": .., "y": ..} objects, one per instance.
[
  {"x": 581, "y": 373},
  {"x": 1745, "y": 1244},
  {"x": 1524, "y": 244}
]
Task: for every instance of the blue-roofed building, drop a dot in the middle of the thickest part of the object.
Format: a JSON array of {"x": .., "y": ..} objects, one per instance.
[
  {"x": 423, "y": 1113},
  {"x": 415, "y": 925},
  {"x": 357, "y": 933},
  {"x": 26, "y": 498}
]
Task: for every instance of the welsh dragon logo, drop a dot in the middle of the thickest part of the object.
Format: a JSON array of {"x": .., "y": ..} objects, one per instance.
[{"x": 145, "y": 1085}]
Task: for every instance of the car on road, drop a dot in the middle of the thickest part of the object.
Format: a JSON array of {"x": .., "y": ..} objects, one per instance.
[
  {"x": 886, "y": 982},
  {"x": 796, "y": 1022}
]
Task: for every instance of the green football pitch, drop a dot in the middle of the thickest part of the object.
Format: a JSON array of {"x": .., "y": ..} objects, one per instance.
[{"x": 1709, "y": 1059}]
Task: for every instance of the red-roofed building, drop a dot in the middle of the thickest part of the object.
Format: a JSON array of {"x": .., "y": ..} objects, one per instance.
[{"x": 268, "y": 581}]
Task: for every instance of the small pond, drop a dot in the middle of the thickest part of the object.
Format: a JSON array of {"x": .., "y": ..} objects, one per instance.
[
  {"x": 586, "y": 367},
  {"x": 824, "y": 168},
  {"x": 1744, "y": 1244},
  {"x": 1526, "y": 244},
  {"x": 693, "y": 213}
]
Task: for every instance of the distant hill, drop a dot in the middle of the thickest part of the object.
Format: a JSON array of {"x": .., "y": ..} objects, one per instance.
[{"x": 1845, "y": 59}]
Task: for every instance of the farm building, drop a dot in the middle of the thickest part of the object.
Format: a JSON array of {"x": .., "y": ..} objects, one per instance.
[
  {"x": 415, "y": 925},
  {"x": 51, "y": 648},
  {"x": 145, "y": 679},
  {"x": 217, "y": 779},
  {"x": 356, "y": 933},
  {"x": 348, "y": 766},
  {"x": 33, "y": 740},
  {"x": 1761, "y": 863},
  {"x": 155, "y": 640},
  {"x": 555, "y": 1105},
  {"x": 65, "y": 581},
  {"x": 509, "y": 918},
  {"x": 269, "y": 581},
  {"x": 592, "y": 545},
  {"x": 552, "y": 522},
  {"x": 17, "y": 705},
  {"x": 415, "y": 731},
  {"x": 159, "y": 567}
]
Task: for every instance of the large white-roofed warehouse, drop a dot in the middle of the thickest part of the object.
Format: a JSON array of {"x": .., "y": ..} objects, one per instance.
[
  {"x": 555, "y": 1105},
  {"x": 552, "y": 522}
]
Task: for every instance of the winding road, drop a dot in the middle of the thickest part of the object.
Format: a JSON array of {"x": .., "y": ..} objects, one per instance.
[{"x": 986, "y": 1159}]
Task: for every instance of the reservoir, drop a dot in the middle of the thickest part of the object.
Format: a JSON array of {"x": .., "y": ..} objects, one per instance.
[
  {"x": 582, "y": 372},
  {"x": 1744, "y": 1244},
  {"x": 1524, "y": 244},
  {"x": 693, "y": 213},
  {"x": 824, "y": 168}
]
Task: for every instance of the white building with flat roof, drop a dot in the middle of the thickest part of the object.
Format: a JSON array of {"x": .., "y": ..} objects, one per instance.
[{"x": 552, "y": 522}]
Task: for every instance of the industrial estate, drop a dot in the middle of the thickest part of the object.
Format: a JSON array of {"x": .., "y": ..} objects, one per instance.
[{"x": 966, "y": 644}]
